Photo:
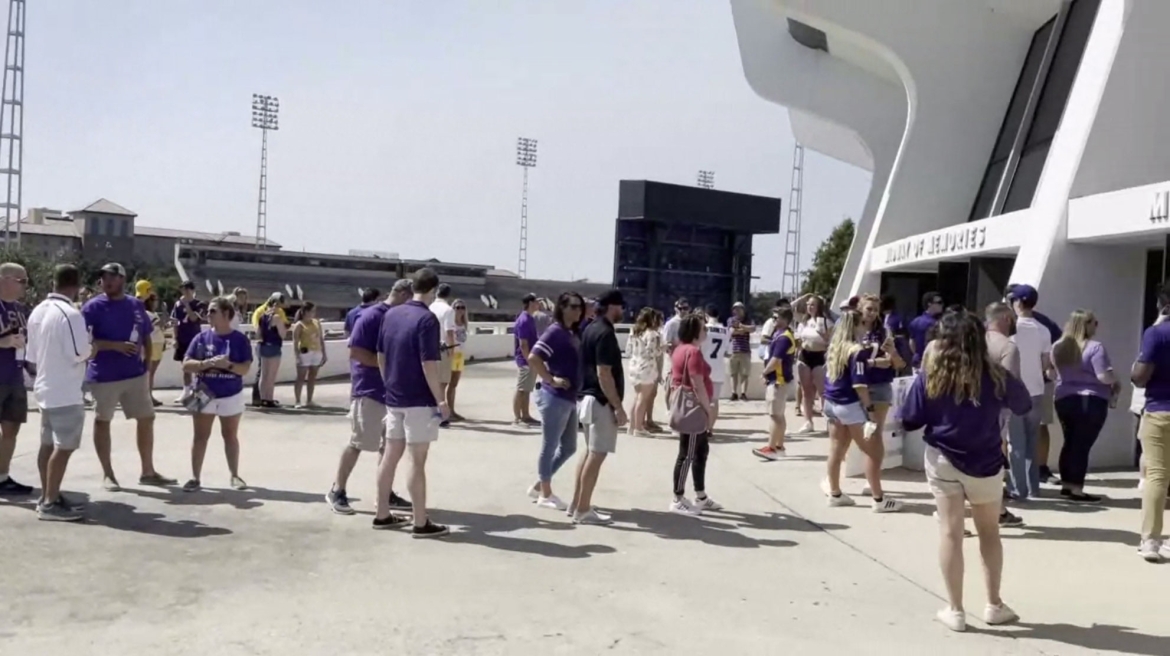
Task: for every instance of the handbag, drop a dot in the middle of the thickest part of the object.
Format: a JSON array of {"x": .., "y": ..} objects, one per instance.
[
  {"x": 686, "y": 415},
  {"x": 196, "y": 397}
]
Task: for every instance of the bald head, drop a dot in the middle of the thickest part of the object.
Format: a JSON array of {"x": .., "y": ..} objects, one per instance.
[
  {"x": 998, "y": 317},
  {"x": 13, "y": 280}
]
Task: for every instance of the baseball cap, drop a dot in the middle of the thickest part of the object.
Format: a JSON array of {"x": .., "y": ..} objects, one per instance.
[
  {"x": 187, "y": 284},
  {"x": 114, "y": 268},
  {"x": 1025, "y": 293},
  {"x": 611, "y": 297},
  {"x": 528, "y": 298},
  {"x": 142, "y": 289},
  {"x": 738, "y": 304},
  {"x": 276, "y": 297}
]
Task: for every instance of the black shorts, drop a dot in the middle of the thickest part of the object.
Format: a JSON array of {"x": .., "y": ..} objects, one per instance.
[
  {"x": 13, "y": 404},
  {"x": 812, "y": 359},
  {"x": 181, "y": 350}
]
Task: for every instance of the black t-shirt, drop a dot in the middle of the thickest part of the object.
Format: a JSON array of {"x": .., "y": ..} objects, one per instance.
[{"x": 599, "y": 346}]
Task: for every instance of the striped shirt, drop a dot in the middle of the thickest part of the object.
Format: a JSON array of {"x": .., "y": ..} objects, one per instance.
[{"x": 740, "y": 342}]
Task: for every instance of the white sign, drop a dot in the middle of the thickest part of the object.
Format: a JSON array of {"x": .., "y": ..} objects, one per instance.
[
  {"x": 1129, "y": 215},
  {"x": 937, "y": 244}
]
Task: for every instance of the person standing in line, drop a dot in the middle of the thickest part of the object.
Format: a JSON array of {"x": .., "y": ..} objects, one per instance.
[
  {"x": 599, "y": 404},
  {"x": 883, "y": 362},
  {"x": 690, "y": 370},
  {"x": 447, "y": 342},
  {"x": 188, "y": 314},
  {"x": 271, "y": 327},
  {"x": 670, "y": 340},
  {"x": 812, "y": 339},
  {"x": 1002, "y": 351},
  {"x": 58, "y": 346},
  {"x": 649, "y": 423},
  {"x": 542, "y": 316},
  {"x": 219, "y": 358},
  {"x": 1086, "y": 389},
  {"x": 920, "y": 326},
  {"x": 367, "y": 405},
  {"x": 958, "y": 399},
  {"x": 715, "y": 346},
  {"x": 770, "y": 326},
  {"x": 309, "y": 343},
  {"x": 778, "y": 380},
  {"x": 117, "y": 373},
  {"x": 457, "y": 356},
  {"x": 369, "y": 299},
  {"x": 408, "y": 356},
  {"x": 741, "y": 329},
  {"x": 158, "y": 339},
  {"x": 895, "y": 326},
  {"x": 556, "y": 361},
  {"x": 240, "y": 295},
  {"x": 524, "y": 336},
  {"x": 590, "y": 314},
  {"x": 1151, "y": 372},
  {"x": 13, "y": 396},
  {"x": 645, "y": 349},
  {"x": 1035, "y": 346},
  {"x": 1048, "y": 406}
]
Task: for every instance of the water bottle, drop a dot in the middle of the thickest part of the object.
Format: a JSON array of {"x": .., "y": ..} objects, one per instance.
[
  {"x": 134, "y": 334},
  {"x": 20, "y": 351}
]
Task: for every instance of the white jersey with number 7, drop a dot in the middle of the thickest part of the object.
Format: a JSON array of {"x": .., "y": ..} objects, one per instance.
[{"x": 715, "y": 349}]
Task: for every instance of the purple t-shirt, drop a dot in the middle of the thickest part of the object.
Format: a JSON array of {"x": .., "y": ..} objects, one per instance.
[
  {"x": 919, "y": 327},
  {"x": 966, "y": 433},
  {"x": 871, "y": 349},
  {"x": 782, "y": 348},
  {"x": 897, "y": 328},
  {"x": 121, "y": 320},
  {"x": 1155, "y": 351},
  {"x": 1081, "y": 378},
  {"x": 210, "y": 344},
  {"x": 351, "y": 316},
  {"x": 13, "y": 321},
  {"x": 840, "y": 391},
  {"x": 558, "y": 348},
  {"x": 408, "y": 337},
  {"x": 525, "y": 328},
  {"x": 187, "y": 329},
  {"x": 366, "y": 381}
]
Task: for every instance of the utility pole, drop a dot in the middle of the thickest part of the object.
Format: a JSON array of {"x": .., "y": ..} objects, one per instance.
[
  {"x": 526, "y": 159},
  {"x": 12, "y": 119},
  {"x": 790, "y": 283},
  {"x": 265, "y": 117}
]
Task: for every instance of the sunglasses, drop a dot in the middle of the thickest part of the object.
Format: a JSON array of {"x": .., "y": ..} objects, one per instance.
[
  {"x": 460, "y": 307},
  {"x": 574, "y": 306}
]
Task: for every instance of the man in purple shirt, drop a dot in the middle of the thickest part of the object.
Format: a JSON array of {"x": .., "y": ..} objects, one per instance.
[
  {"x": 932, "y": 308},
  {"x": 367, "y": 407},
  {"x": 13, "y": 396},
  {"x": 408, "y": 356},
  {"x": 369, "y": 299},
  {"x": 1151, "y": 371},
  {"x": 525, "y": 336},
  {"x": 188, "y": 314},
  {"x": 117, "y": 373}
]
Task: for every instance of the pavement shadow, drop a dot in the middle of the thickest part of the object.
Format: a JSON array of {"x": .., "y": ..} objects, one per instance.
[
  {"x": 289, "y": 411},
  {"x": 706, "y": 529},
  {"x": 1075, "y": 534},
  {"x": 486, "y": 530},
  {"x": 124, "y": 517},
  {"x": 468, "y": 427},
  {"x": 1098, "y": 638},
  {"x": 253, "y": 497}
]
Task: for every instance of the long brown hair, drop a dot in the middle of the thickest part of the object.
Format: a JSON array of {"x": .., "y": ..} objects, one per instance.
[
  {"x": 958, "y": 358},
  {"x": 1079, "y": 328},
  {"x": 645, "y": 321}
]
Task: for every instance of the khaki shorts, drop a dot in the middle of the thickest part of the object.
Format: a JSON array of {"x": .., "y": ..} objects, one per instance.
[
  {"x": 367, "y": 423},
  {"x": 419, "y": 425},
  {"x": 525, "y": 380},
  {"x": 132, "y": 394},
  {"x": 946, "y": 481},
  {"x": 776, "y": 399},
  {"x": 444, "y": 366},
  {"x": 740, "y": 365},
  {"x": 601, "y": 435}
]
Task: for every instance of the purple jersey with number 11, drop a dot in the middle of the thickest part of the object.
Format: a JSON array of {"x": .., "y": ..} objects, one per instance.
[{"x": 841, "y": 390}]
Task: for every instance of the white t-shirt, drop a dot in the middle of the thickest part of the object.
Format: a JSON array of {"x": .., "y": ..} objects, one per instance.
[
  {"x": 715, "y": 349},
  {"x": 670, "y": 332},
  {"x": 809, "y": 332},
  {"x": 446, "y": 315},
  {"x": 59, "y": 345},
  {"x": 1033, "y": 340}
]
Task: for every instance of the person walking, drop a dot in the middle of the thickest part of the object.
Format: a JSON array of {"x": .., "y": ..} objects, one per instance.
[
  {"x": 778, "y": 378},
  {"x": 740, "y": 369},
  {"x": 812, "y": 339},
  {"x": 1047, "y": 410},
  {"x": 883, "y": 361},
  {"x": 58, "y": 346},
  {"x": 117, "y": 373},
  {"x": 367, "y": 405},
  {"x": 457, "y": 356},
  {"x": 957, "y": 400},
  {"x": 1035, "y": 345},
  {"x": 271, "y": 327},
  {"x": 715, "y": 347},
  {"x": 188, "y": 316},
  {"x": 1151, "y": 372},
  {"x": 447, "y": 342},
  {"x": 309, "y": 343},
  {"x": 158, "y": 338},
  {"x": 408, "y": 356},
  {"x": 645, "y": 350},
  {"x": 691, "y": 373},
  {"x": 13, "y": 396},
  {"x": 218, "y": 358},
  {"x": 603, "y": 386},
  {"x": 524, "y": 336},
  {"x": 1003, "y": 351},
  {"x": 556, "y": 361}
]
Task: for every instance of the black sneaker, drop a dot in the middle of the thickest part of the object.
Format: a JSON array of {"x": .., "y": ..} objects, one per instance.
[
  {"x": 429, "y": 530},
  {"x": 1079, "y": 497},
  {"x": 446, "y": 423},
  {"x": 1006, "y": 518},
  {"x": 390, "y": 521},
  {"x": 338, "y": 500},
  {"x": 9, "y": 486},
  {"x": 734, "y": 397},
  {"x": 1046, "y": 476},
  {"x": 398, "y": 503}
]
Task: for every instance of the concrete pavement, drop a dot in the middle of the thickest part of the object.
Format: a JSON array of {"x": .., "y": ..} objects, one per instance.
[{"x": 272, "y": 571}]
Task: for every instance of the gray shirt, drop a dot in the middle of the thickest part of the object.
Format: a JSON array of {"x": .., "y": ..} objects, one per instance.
[{"x": 1004, "y": 352}]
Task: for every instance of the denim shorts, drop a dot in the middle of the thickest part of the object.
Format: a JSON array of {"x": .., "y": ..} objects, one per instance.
[
  {"x": 849, "y": 414},
  {"x": 271, "y": 350},
  {"x": 881, "y": 393}
]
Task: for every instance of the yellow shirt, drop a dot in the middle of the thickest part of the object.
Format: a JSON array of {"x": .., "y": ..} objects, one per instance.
[
  {"x": 258, "y": 312},
  {"x": 310, "y": 335}
]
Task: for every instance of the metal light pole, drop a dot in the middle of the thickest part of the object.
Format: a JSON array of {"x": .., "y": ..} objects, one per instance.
[
  {"x": 12, "y": 118},
  {"x": 526, "y": 158},
  {"x": 707, "y": 179},
  {"x": 265, "y": 111}
]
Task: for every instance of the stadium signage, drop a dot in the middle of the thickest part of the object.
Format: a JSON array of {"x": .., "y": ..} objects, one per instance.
[{"x": 937, "y": 244}]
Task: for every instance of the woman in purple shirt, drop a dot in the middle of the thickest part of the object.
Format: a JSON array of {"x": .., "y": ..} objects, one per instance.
[
  {"x": 1085, "y": 390},
  {"x": 883, "y": 363},
  {"x": 555, "y": 359},
  {"x": 957, "y": 398}
]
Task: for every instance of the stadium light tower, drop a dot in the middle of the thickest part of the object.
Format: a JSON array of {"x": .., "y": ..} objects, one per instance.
[
  {"x": 707, "y": 179},
  {"x": 526, "y": 158},
  {"x": 12, "y": 118},
  {"x": 265, "y": 117}
]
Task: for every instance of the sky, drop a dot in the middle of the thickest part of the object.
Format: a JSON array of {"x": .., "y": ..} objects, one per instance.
[{"x": 399, "y": 120}]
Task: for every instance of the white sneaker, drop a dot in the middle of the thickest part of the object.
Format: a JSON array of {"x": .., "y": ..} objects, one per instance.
[
  {"x": 887, "y": 505},
  {"x": 841, "y": 501},
  {"x": 551, "y": 502},
  {"x": 684, "y": 507},
  {"x": 806, "y": 428},
  {"x": 707, "y": 503},
  {"x": 592, "y": 518},
  {"x": 534, "y": 491},
  {"x": 954, "y": 620},
  {"x": 866, "y": 491},
  {"x": 1150, "y": 550},
  {"x": 1001, "y": 614},
  {"x": 642, "y": 433}
]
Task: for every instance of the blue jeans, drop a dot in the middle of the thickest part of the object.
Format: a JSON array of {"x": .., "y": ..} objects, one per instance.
[
  {"x": 558, "y": 427},
  {"x": 1023, "y": 438}
]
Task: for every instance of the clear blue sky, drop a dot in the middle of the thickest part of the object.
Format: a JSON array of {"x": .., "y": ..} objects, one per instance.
[{"x": 399, "y": 121}]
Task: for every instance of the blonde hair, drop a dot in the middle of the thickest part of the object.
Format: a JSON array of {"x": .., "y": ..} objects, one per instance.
[
  {"x": 957, "y": 360},
  {"x": 1067, "y": 350},
  {"x": 843, "y": 345}
]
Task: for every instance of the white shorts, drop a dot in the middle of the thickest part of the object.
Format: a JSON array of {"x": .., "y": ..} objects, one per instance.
[
  {"x": 228, "y": 406},
  {"x": 419, "y": 425},
  {"x": 310, "y": 359}
]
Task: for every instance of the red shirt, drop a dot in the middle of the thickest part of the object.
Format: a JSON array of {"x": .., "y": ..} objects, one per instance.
[{"x": 686, "y": 362}]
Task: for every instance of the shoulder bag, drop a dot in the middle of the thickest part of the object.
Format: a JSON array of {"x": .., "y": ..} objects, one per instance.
[{"x": 686, "y": 415}]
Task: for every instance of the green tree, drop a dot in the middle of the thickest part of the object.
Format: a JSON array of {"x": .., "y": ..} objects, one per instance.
[
  {"x": 761, "y": 303},
  {"x": 829, "y": 261},
  {"x": 38, "y": 268}
]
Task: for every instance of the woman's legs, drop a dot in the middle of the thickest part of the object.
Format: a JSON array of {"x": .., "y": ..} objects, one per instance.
[
  {"x": 651, "y": 396},
  {"x": 271, "y": 366},
  {"x": 302, "y": 373},
  {"x": 568, "y": 440},
  {"x": 818, "y": 376},
  {"x": 229, "y": 428},
  {"x": 682, "y": 464},
  {"x": 950, "y": 547},
  {"x": 808, "y": 392},
  {"x": 638, "y": 411},
  {"x": 699, "y": 466},
  {"x": 202, "y": 424},
  {"x": 558, "y": 430},
  {"x": 986, "y": 518},
  {"x": 839, "y": 440},
  {"x": 311, "y": 384},
  {"x": 153, "y": 368},
  {"x": 874, "y": 449},
  {"x": 455, "y": 376}
]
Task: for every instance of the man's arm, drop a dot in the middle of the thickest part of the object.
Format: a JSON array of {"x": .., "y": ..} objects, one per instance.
[
  {"x": 609, "y": 388},
  {"x": 364, "y": 357},
  {"x": 525, "y": 349}
]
